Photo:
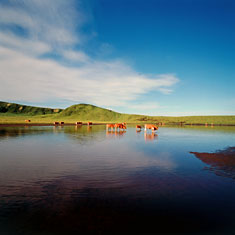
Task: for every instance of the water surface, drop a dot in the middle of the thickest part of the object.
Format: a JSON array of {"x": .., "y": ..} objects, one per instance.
[{"x": 57, "y": 180}]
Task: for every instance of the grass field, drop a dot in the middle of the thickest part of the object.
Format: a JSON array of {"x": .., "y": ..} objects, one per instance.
[
  {"x": 13, "y": 113},
  {"x": 50, "y": 118}
]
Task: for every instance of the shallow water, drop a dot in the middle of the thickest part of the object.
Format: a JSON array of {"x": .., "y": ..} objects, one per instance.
[{"x": 57, "y": 180}]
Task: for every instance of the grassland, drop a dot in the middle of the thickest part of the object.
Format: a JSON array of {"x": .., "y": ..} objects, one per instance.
[
  {"x": 13, "y": 113},
  {"x": 12, "y": 108}
]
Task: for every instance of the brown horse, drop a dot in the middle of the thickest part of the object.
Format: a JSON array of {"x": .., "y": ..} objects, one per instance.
[
  {"x": 27, "y": 120},
  {"x": 119, "y": 126},
  {"x": 78, "y": 123},
  {"x": 151, "y": 127},
  {"x": 110, "y": 126},
  {"x": 138, "y": 127},
  {"x": 89, "y": 123}
]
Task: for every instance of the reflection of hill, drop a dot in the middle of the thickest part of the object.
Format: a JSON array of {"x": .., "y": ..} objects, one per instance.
[
  {"x": 221, "y": 162},
  {"x": 82, "y": 133},
  {"x": 7, "y": 132}
]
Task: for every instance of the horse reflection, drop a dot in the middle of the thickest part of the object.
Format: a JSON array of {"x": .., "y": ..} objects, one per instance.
[
  {"x": 55, "y": 129},
  {"x": 150, "y": 137},
  {"x": 78, "y": 127},
  {"x": 115, "y": 133},
  {"x": 89, "y": 128}
]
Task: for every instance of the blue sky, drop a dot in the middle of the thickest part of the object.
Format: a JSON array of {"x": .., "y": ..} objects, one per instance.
[{"x": 156, "y": 57}]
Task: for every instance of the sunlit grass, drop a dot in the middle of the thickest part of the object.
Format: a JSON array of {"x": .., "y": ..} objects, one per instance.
[{"x": 50, "y": 118}]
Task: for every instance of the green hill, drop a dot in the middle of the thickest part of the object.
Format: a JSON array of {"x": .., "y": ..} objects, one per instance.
[
  {"x": 12, "y": 108},
  {"x": 90, "y": 112}
]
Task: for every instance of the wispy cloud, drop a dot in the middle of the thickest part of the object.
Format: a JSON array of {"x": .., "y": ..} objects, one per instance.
[
  {"x": 76, "y": 56},
  {"x": 53, "y": 26},
  {"x": 54, "y": 22},
  {"x": 25, "y": 45}
]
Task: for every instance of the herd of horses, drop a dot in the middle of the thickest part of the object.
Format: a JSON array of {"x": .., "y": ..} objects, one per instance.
[
  {"x": 116, "y": 126},
  {"x": 138, "y": 127}
]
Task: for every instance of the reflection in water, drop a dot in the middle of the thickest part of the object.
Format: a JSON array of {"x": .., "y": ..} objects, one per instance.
[
  {"x": 115, "y": 133},
  {"x": 77, "y": 127},
  {"x": 221, "y": 162},
  {"x": 150, "y": 137},
  {"x": 7, "y": 132},
  {"x": 58, "y": 129},
  {"x": 69, "y": 180}
]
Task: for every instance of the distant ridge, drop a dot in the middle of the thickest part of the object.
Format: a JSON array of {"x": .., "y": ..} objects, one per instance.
[{"x": 13, "y": 108}]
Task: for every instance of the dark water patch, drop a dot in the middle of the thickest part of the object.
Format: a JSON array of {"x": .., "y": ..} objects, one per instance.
[
  {"x": 101, "y": 212},
  {"x": 222, "y": 162}
]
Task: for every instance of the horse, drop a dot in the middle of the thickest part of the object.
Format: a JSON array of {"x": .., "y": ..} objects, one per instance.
[
  {"x": 119, "y": 126},
  {"x": 89, "y": 123},
  {"x": 110, "y": 126},
  {"x": 138, "y": 127},
  {"x": 78, "y": 123},
  {"x": 27, "y": 120},
  {"x": 151, "y": 127}
]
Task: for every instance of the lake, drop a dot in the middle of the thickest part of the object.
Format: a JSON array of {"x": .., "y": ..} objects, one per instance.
[{"x": 63, "y": 180}]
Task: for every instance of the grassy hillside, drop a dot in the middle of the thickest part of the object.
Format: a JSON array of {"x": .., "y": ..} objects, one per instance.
[
  {"x": 89, "y": 112},
  {"x": 86, "y": 112},
  {"x": 12, "y": 108},
  {"x": 15, "y": 113}
]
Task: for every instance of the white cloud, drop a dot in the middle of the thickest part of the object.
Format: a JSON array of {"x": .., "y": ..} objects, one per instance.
[
  {"x": 24, "y": 45},
  {"x": 53, "y": 26},
  {"x": 109, "y": 84},
  {"x": 54, "y": 22},
  {"x": 77, "y": 56}
]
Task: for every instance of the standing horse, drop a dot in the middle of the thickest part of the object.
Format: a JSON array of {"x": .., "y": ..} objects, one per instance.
[
  {"x": 110, "y": 126},
  {"x": 151, "y": 127},
  {"x": 119, "y": 126},
  {"x": 78, "y": 123}
]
